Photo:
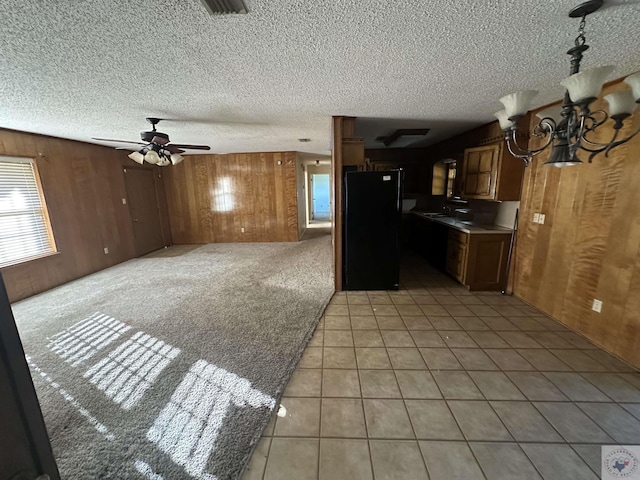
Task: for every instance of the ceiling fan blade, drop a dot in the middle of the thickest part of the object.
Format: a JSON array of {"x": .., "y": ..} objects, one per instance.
[
  {"x": 160, "y": 140},
  {"x": 191, "y": 147},
  {"x": 116, "y": 141},
  {"x": 134, "y": 149},
  {"x": 173, "y": 149}
]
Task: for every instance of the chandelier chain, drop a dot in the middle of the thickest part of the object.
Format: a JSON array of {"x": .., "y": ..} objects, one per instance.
[{"x": 581, "y": 39}]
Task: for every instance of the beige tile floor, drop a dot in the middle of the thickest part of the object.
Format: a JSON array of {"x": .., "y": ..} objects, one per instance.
[{"x": 434, "y": 382}]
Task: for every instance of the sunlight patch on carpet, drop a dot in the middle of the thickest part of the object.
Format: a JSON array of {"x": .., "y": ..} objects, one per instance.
[
  {"x": 145, "y": 469},
  {"x": 99, "y": 426},
  {"x": 83, "y": 340},
  {"x": 130, "y": 370},
  {"x": 189, "y": 424}
]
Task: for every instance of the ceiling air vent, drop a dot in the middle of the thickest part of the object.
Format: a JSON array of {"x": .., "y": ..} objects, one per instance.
[{"x": 223, "y": 7}]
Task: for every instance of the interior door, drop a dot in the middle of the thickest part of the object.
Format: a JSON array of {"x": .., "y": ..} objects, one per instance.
[
  {"x": 143, "y": 206},
  {"x": 25, "y": 451}
]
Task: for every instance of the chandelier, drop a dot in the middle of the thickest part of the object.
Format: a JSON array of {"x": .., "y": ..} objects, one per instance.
[{"x": 570, "y": 127}]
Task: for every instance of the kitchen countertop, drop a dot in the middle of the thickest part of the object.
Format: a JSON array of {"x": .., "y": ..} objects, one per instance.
[{"x": 462, "y": 225}]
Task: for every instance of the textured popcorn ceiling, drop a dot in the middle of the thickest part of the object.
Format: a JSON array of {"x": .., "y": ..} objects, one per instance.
[{"x": 258, "y": 82}]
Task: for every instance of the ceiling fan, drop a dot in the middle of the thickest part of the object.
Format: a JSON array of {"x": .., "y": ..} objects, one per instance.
[{"x": 156, "y": 148}]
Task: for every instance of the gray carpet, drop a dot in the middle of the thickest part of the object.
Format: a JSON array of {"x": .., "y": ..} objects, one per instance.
[{"x": 168, "y": 366}]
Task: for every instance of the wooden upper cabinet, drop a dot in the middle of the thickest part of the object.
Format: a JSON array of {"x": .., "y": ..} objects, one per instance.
[
  {"x": 491, "y": 173},
  {"x": 480, "y": 172},
  {"x": 353, "y": 152}
]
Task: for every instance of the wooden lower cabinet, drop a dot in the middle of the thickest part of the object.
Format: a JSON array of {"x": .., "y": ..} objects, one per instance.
[
  {"x": 478, "y": 261},
  {"x": 457, "y": 249}
]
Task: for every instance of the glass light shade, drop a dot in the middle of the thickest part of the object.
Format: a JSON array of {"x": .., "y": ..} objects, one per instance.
[
  {"x": 164, "y": 161},
  {"x": 554, "y": 112},
  {"x": 621, "y": 103},
  {"x": 587, "y": 84},
  {"x": 152, "y": 157},
  {"x": 516, "y": 104},
  {"x": 136, "y": 157},
  {"x": 633, "y": 81},
  {"x": 505, "y": 123},
  {"x": 176, "y": 158},
  {"x": 560, "y": 156}
]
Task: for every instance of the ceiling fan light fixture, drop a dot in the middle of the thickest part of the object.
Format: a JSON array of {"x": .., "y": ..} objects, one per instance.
[
  {"x": 176, "y": 158},
  {"x": 156, "y": 147},
  {"x": 152, "y": 157},
  {"x": 137, "y": 157}
]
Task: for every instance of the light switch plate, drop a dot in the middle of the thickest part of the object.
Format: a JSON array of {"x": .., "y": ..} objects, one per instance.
[
  {"x": 597, "y": 305},
  {"x": 536, "y": 217},
  {"x": 106, "y": 250},
  {"x": 541, "y": 219}
]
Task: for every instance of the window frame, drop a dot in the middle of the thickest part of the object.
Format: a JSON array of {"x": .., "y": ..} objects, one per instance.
[{"x": 53, "y": 248}]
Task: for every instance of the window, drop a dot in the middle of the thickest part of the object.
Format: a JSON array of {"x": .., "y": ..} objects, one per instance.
[{"x": 25, "y": 232}]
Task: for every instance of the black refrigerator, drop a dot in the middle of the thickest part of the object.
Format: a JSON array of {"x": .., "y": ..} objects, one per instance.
[{"x": 371, "y": 220}]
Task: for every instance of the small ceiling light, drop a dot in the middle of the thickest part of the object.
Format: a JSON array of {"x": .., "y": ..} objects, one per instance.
[
  {"x": 304, "y": 140},
  {"x": 571, "y": 128}
]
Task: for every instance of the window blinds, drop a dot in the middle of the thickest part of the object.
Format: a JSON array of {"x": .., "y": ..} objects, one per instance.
[{"x": 24, "y": 227}]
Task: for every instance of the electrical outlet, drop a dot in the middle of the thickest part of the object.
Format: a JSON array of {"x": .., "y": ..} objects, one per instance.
[
  {"x": 541, "y": 219},
  {"x": 106, "y": 250},
  {"x": 124, "y": 201},
  {"x": 536, "y": 217},
  {"x": 242, "y": 230},
  {"x": 597, "y": 305}
]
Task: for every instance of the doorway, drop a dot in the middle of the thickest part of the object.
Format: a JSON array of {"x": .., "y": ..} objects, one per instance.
[
  {"x": 143, "y": 206},
  {"x": 320, "y": 197}
]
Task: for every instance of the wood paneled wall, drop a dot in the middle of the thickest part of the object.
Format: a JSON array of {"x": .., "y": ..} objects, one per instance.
[
  {"x": 83, "y": 186},
  {"x": 211, "y": 198},
  {"x": 589, "y": 246}
]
